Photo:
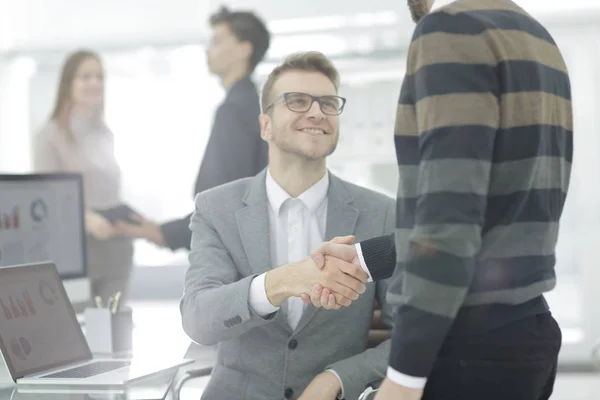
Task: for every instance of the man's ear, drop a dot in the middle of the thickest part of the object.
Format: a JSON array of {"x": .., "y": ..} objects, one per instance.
[
  {"x": 246, "y": 49},
  {"x": 265, "y": 126}
]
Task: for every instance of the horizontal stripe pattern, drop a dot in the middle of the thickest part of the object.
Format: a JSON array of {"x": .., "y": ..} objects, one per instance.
[
  {"x": 511, "y": 144},
  {"x": 500, "y": 210},
  {"x": 484, "y": 142},
  {"x": 428, "y": 296},
  {"x": 414, "y": 348},
  {"x": 511, "y": 296},
  {"x": 503, "y": 273},
  {"x": 433, "y": 49},
  {"x": 532, "y": 76},
  {"x": 450, "y": 78},
  {"x": 530, "y": 141},
  {"x": 506, "y": 179},
  {"x": 548, "y": 173},
  {"x": 526, "y": 239},
  {"x": 475, "y": 23},
  {"x": 535, "y": 205},
  {"x": 457, "y": 110},
  {"x": 468, "y": 176},
  {"x": 535, "y": 108},
  {"x": 484, "y": 5}
]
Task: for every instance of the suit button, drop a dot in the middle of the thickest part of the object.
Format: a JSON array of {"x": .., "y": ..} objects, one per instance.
[
  {"x": 288, "y": 393},
  {"x": 293, "y": 344},
  {"x": 238, "y": 320}
]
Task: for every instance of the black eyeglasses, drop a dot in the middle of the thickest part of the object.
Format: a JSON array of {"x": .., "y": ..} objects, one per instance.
[{"x": 302, "y": 102}]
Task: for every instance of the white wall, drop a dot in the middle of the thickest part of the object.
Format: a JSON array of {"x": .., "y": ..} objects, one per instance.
[
  {"x": 39, "y": 24},
  {"x": 42, "y": 24},
  {"x": 14, "y": 115}
]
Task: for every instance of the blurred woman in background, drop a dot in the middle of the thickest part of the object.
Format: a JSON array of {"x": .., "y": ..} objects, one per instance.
[{"x": 77, "y": 139}]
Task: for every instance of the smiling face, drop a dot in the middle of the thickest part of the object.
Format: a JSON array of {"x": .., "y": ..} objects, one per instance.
[
  {"x": 310, "y": 135},
  {"x": 87, "y": 89}
]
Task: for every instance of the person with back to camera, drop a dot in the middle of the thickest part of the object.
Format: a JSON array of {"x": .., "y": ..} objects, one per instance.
[
  {"x": 77, "y": 139},
  {"x": 484, "y": 143}
]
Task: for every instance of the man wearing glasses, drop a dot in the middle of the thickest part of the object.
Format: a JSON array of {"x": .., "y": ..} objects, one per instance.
[{"x": 249, "y": 257}]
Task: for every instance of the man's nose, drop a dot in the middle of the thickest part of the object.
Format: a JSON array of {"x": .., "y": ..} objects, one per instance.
[{"x": 315, "y": 110}]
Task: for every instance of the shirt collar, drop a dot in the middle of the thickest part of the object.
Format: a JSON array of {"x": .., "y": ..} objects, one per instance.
[{"x": 313, "y": 197}]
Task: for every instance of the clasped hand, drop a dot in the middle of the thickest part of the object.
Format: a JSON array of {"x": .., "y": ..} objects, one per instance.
[{"x": 335, "y": 253}]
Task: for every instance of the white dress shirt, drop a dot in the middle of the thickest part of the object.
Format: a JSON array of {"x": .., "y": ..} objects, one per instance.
[
  {"x": 393, "y": 375},
  {"x": 297, "y": 226}
]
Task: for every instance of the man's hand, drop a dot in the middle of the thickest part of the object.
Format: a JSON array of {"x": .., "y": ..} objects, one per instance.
[
  {"x": 325, "y": 386},
  {"x": 392, "y": 391},
  {"x": 293, "y": 280},
  {"x": 338, "y": 248},
  {"x": 143, "y": 229},
  {"x": 342, "y": 248},
  {"x": 98, "y": 226}
]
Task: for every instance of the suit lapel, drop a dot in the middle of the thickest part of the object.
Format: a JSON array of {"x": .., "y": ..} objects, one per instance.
[
  {"x": 253, "y": 225},
  {"x": 341, "y": 221}
]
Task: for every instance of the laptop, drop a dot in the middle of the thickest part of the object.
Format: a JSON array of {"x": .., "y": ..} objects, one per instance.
[{"x": 42, "y": 343}]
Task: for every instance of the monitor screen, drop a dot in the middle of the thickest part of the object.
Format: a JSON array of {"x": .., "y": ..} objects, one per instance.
[
  {"x": 41, "y": 219},
  {"x": 38, "y": 328}
]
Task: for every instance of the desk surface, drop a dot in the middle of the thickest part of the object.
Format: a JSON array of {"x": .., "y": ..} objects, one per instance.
[
  {"x": 157, "y": 336},
  {"x": 155, "y": 388}
]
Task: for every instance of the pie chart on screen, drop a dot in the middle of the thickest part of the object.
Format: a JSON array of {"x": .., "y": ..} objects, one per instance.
[
  {"x": 47, "y": 293},
  {"x": 20, "y": 347},
  {"x": 39, "y": 210}
]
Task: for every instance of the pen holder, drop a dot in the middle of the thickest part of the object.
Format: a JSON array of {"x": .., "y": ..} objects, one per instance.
[{"x": 108, "y": 332}]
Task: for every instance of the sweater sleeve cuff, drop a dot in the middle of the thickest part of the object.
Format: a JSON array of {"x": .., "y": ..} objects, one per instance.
[
  {"x": 405, "y": 380},
  {"x": 416, "y": 340},
  {"x": 379, "y": 255}
]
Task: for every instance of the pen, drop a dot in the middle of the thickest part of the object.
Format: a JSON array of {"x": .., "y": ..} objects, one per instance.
[
  {"x": 98, "y": 300},
  {"x": 116, "y": 302}
]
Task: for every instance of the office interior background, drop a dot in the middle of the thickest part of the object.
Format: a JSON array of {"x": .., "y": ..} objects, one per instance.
[{"x": 161, "y": 98}]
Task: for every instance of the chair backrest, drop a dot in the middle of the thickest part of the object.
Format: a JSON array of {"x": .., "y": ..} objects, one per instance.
[
  {"x": 378, "y": 331},
  {"x": 368, "y": 394}
]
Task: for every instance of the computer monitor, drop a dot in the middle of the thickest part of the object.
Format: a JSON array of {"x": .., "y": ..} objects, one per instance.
[{"x": 42, "y": 219}]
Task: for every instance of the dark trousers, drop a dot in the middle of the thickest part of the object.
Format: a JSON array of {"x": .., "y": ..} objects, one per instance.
[{"x": 514, "y": 362}]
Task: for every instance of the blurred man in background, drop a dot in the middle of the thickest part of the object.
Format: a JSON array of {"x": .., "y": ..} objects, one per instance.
[{"x": 235, "y": 150}]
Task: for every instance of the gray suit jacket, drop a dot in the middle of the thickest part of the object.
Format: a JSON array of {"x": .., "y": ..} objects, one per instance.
[{"x": 262, "y": 358}]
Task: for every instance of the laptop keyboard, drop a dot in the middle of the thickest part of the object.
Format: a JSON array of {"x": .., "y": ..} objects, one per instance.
[{"x": 88, "y": 370}]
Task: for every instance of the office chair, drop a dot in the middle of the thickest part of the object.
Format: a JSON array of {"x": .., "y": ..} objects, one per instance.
[
  {"x": 191, "y": 374},
  {"x": 378, "y": 331},
  {"x": 366, "y": 395}
]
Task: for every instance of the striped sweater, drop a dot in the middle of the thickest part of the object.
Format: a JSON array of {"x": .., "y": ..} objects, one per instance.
[{"x": 484, "y": 144}]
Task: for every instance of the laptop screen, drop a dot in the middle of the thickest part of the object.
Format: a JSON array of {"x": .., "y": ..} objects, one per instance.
[{"x": 38, "y": 326}]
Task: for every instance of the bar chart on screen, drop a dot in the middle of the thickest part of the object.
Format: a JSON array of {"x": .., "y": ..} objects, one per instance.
[
  {"x": 10, "y": 219},
  {"x": 14, "y": 307}
]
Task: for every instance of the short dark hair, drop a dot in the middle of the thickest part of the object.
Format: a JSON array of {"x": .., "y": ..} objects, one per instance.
[
  {"x": 309, "y": 61},
  {"x": 246, "y": 26}
]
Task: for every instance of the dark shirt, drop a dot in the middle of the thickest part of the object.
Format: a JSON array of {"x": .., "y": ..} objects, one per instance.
[{"x": 235, "y": 150}]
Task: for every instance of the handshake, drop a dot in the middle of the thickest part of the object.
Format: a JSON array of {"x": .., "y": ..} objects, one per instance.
[{"x": 331, "y": 277}]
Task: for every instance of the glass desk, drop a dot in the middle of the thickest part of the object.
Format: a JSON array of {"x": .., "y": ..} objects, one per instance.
[{"x": 154, "y": 388}]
